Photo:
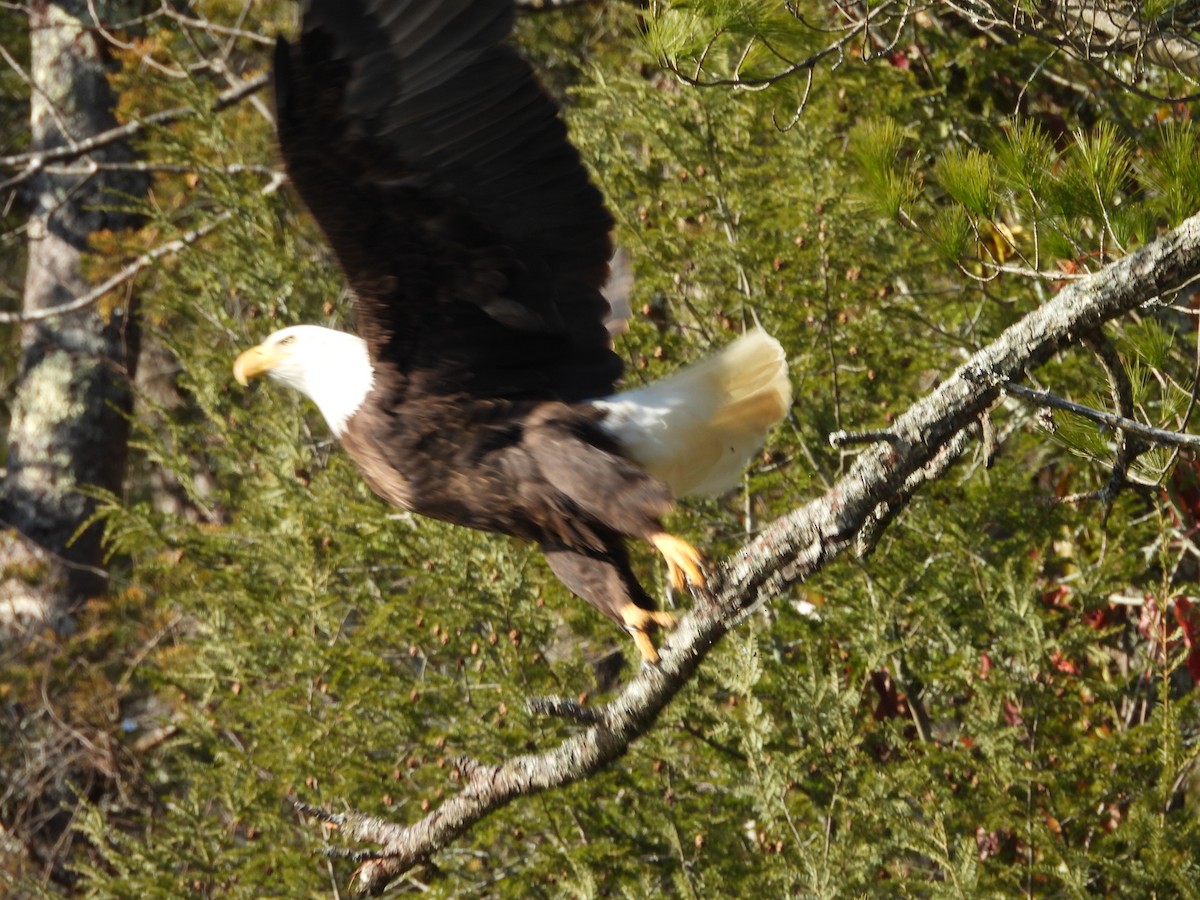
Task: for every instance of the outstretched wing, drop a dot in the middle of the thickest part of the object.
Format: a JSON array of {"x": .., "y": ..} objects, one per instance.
[{"x": 463, "y": 218}]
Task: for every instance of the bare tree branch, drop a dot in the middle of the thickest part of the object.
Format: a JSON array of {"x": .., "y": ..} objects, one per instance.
[
  {"x": 927, "y": 438},
  {"x": 885, "y": 513},
  {"x": 213, "y": 28},
  {"x": 1125, "y": 29},
  {"x": 29, "y": 163},
  {"x": 1158, "y": 435},
  {"x": 1106, "y": 35},
  {"x": 132, "y": 269},
  {"x": 1095, "y": 32}
]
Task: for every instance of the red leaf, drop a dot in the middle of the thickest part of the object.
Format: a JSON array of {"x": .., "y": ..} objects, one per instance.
[
  {"x": 1187, "y": 614},
  {"x": 892, "y": 703},
  {"x": 1062, "y": 664},
  {"x": 1188, "y": 617},
  {"x": 1012, "y": 714},
  {"x": 1184, "y": 490},
  {"x": 1103, "y": 617}
]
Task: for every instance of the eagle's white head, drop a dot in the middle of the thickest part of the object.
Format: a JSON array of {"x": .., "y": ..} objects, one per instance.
[{"x": 331, "y": 368}]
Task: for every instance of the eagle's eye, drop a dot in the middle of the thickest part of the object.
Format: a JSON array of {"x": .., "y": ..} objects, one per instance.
[{"x": 290, "y": 339}]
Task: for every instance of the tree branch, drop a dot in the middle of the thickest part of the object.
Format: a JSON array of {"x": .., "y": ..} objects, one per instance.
[
  {"x": 1126, "y": 30},
  {"x": 1149, "y": 432},
  {"x": 1101, "y": 34},
  {"x": 790, "y": 550},
  {"x": 1091, "y": 32},
  {"x": 32, "y": 162},
  {"x": 564, "y": 708},
  {"x": 791, "y": 67}
]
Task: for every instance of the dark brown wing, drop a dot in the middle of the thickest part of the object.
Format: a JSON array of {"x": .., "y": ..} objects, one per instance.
[{"x": 441, "y": 174}]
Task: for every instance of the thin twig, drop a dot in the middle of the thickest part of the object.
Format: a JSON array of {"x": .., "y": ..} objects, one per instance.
[
  {"x": 759, "y": 83},
  {"x": 1128, "y": 448},
  {"x": 214, "y": 28},
  {"x": 1150, "y": 433}
]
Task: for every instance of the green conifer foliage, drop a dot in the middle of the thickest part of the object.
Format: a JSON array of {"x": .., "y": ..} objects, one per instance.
[{"x": 996, "y": 700}]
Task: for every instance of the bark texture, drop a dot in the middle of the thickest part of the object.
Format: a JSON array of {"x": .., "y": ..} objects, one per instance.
[
  {"x": 922, "y": 444},
  {"x": 69, "y": 416}
]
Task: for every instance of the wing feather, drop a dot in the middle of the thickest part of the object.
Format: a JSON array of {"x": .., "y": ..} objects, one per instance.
[{"x": 443, "y": 178}]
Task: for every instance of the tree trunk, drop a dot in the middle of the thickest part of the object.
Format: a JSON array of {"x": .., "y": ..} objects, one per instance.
[{"x": 69, "y": 424}]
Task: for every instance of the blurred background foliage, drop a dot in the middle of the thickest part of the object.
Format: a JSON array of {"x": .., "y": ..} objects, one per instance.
[{"x": 1000, "y": 699}]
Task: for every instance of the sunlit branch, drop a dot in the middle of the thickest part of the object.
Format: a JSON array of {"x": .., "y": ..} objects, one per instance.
[{"x": 33, "y": 162}]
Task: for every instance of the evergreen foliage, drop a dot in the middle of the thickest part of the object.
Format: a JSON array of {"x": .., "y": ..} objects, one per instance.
[{"x": 1000, "y": 699}]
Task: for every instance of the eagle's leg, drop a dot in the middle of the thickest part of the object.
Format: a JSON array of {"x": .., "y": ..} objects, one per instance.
[
  {"x": 639, "y": 623},
  {"x": 685, "y": 565},
  {"x": 606, "y": 580}
]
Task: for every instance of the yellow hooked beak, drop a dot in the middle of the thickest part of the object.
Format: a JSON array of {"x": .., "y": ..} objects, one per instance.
[{"x": 256, "y": 361}]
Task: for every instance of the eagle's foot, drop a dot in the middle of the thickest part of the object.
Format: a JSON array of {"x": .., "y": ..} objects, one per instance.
[
  {"x": 639, "y": 623},
  {"x": 685, "y": 565}
]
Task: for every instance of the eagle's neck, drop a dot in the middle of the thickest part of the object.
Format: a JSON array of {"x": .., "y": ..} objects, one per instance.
[{"x": 338, "y": 378}]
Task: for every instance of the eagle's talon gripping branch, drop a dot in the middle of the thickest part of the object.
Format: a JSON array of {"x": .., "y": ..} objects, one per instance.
[
  {"x": 685, "y": 564},
  {"x": 640, "y": 622}
]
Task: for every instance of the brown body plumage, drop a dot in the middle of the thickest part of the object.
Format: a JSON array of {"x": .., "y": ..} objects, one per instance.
[{"x": 539, "y": 470}]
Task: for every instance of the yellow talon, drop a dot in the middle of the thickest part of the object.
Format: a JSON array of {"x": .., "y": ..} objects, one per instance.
[
  {"x": 639, "y": 623},
  {"x": 663, "y": 620},
  {"x": 645, "y": 646},
  {"x": 685, "y": 565}
]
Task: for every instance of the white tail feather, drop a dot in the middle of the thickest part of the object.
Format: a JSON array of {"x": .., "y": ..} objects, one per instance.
[{"x": 696, "y": 430}]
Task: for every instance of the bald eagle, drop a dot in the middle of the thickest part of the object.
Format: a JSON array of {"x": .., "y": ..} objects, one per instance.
[{"x": 480, "y": 388}]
